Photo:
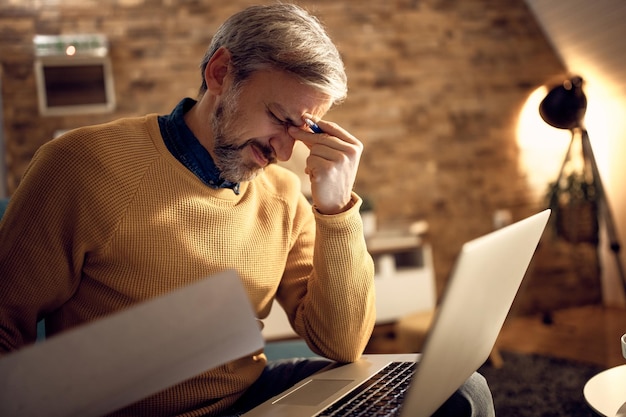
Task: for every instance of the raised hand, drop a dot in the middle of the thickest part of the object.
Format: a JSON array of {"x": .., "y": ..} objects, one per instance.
[{"x": 331, "y": 166}]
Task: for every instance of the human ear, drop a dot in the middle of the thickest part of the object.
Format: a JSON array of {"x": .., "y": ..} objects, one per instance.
[{"x": 216, "y": 70}]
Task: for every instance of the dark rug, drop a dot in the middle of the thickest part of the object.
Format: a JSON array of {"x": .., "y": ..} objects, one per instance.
[{"x": 539, "y": 386}]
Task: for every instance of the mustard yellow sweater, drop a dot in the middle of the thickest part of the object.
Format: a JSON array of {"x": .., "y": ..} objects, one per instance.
[{"x": 105, "y": 217}]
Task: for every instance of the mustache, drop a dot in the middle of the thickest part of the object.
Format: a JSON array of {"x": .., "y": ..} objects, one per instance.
[{"x": 268, "y": 152}]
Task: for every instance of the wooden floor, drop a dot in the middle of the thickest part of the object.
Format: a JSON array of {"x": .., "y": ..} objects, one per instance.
[{"x": 587, "y": 334}]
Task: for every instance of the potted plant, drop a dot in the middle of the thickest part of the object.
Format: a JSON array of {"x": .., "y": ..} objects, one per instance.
[
  {"x": 573, "y": 200},
  {"x": 368, "y": 215}
]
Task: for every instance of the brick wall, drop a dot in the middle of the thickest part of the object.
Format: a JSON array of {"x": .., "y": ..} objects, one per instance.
[{"x": 435, "y": 90}]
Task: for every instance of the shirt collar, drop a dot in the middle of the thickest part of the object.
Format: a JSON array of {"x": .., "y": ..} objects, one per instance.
[{"x": 185, "y": 147}]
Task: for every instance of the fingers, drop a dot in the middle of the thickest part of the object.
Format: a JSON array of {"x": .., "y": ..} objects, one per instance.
[
  {"x": 333, "y": 135},
  {"x": 331, "y": 165},
  {"x": 334, "y": 145}
]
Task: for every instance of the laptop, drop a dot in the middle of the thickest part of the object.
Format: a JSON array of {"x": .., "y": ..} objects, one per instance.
[{"x": 479, "y": 294}]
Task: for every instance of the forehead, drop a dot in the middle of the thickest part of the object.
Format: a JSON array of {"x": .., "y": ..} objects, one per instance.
[{"x": 286, "y": 92}]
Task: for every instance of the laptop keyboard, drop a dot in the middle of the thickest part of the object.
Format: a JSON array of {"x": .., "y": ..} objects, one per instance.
[{"x": 381, "y": 395}]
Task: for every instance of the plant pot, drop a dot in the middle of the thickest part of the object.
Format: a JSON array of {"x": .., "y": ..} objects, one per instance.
[
  {"x": 577, "y": 221},
  {"x": 369, "y": 223}
]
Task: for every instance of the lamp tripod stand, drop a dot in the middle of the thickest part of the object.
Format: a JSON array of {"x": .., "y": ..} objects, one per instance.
[
  {"x": 604, "y": 213},
  {"x": 564, "y": 107}
]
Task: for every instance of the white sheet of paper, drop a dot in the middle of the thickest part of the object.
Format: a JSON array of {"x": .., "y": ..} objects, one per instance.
[{"x": 113, "y": 362}]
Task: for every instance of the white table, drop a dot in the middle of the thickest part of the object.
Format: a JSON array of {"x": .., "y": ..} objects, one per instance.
[{"x": 606, "y": 391}]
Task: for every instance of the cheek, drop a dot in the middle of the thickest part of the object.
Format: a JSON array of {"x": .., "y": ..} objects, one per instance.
[{"x": 260, "y": 129}]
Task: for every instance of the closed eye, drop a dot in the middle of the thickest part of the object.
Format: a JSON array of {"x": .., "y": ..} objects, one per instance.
[
  {"x": 275, "y": 118},
  {"x": 285, "y": 123}
]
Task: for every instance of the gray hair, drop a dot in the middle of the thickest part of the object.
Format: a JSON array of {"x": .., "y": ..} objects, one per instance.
[{"x": 283, "y": 37}]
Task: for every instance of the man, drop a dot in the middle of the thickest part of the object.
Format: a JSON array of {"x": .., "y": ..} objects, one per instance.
[{"x": 110, "y": 215}]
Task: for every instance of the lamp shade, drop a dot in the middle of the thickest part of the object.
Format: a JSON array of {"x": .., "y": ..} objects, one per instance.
[{"x": 565, "y": 105}]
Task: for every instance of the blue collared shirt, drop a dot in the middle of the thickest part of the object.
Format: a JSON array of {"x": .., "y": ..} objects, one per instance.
[{"x": 185, "y": 147}]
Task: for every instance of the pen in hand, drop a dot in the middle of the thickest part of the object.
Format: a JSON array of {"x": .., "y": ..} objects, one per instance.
[{"x": 313, "y": 126}]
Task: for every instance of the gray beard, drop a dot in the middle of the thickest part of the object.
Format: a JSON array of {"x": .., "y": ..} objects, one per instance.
[{"x": 227, "y": 155}]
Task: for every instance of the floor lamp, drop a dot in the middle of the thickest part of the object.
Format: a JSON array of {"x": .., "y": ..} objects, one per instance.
[{"x": 564, "y": 107}]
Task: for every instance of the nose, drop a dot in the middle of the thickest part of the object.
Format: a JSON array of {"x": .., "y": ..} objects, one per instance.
[{"x": 282, "y": 144}]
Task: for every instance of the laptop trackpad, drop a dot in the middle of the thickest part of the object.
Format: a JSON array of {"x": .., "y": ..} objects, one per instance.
[{"x": 314, "y": 392}]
